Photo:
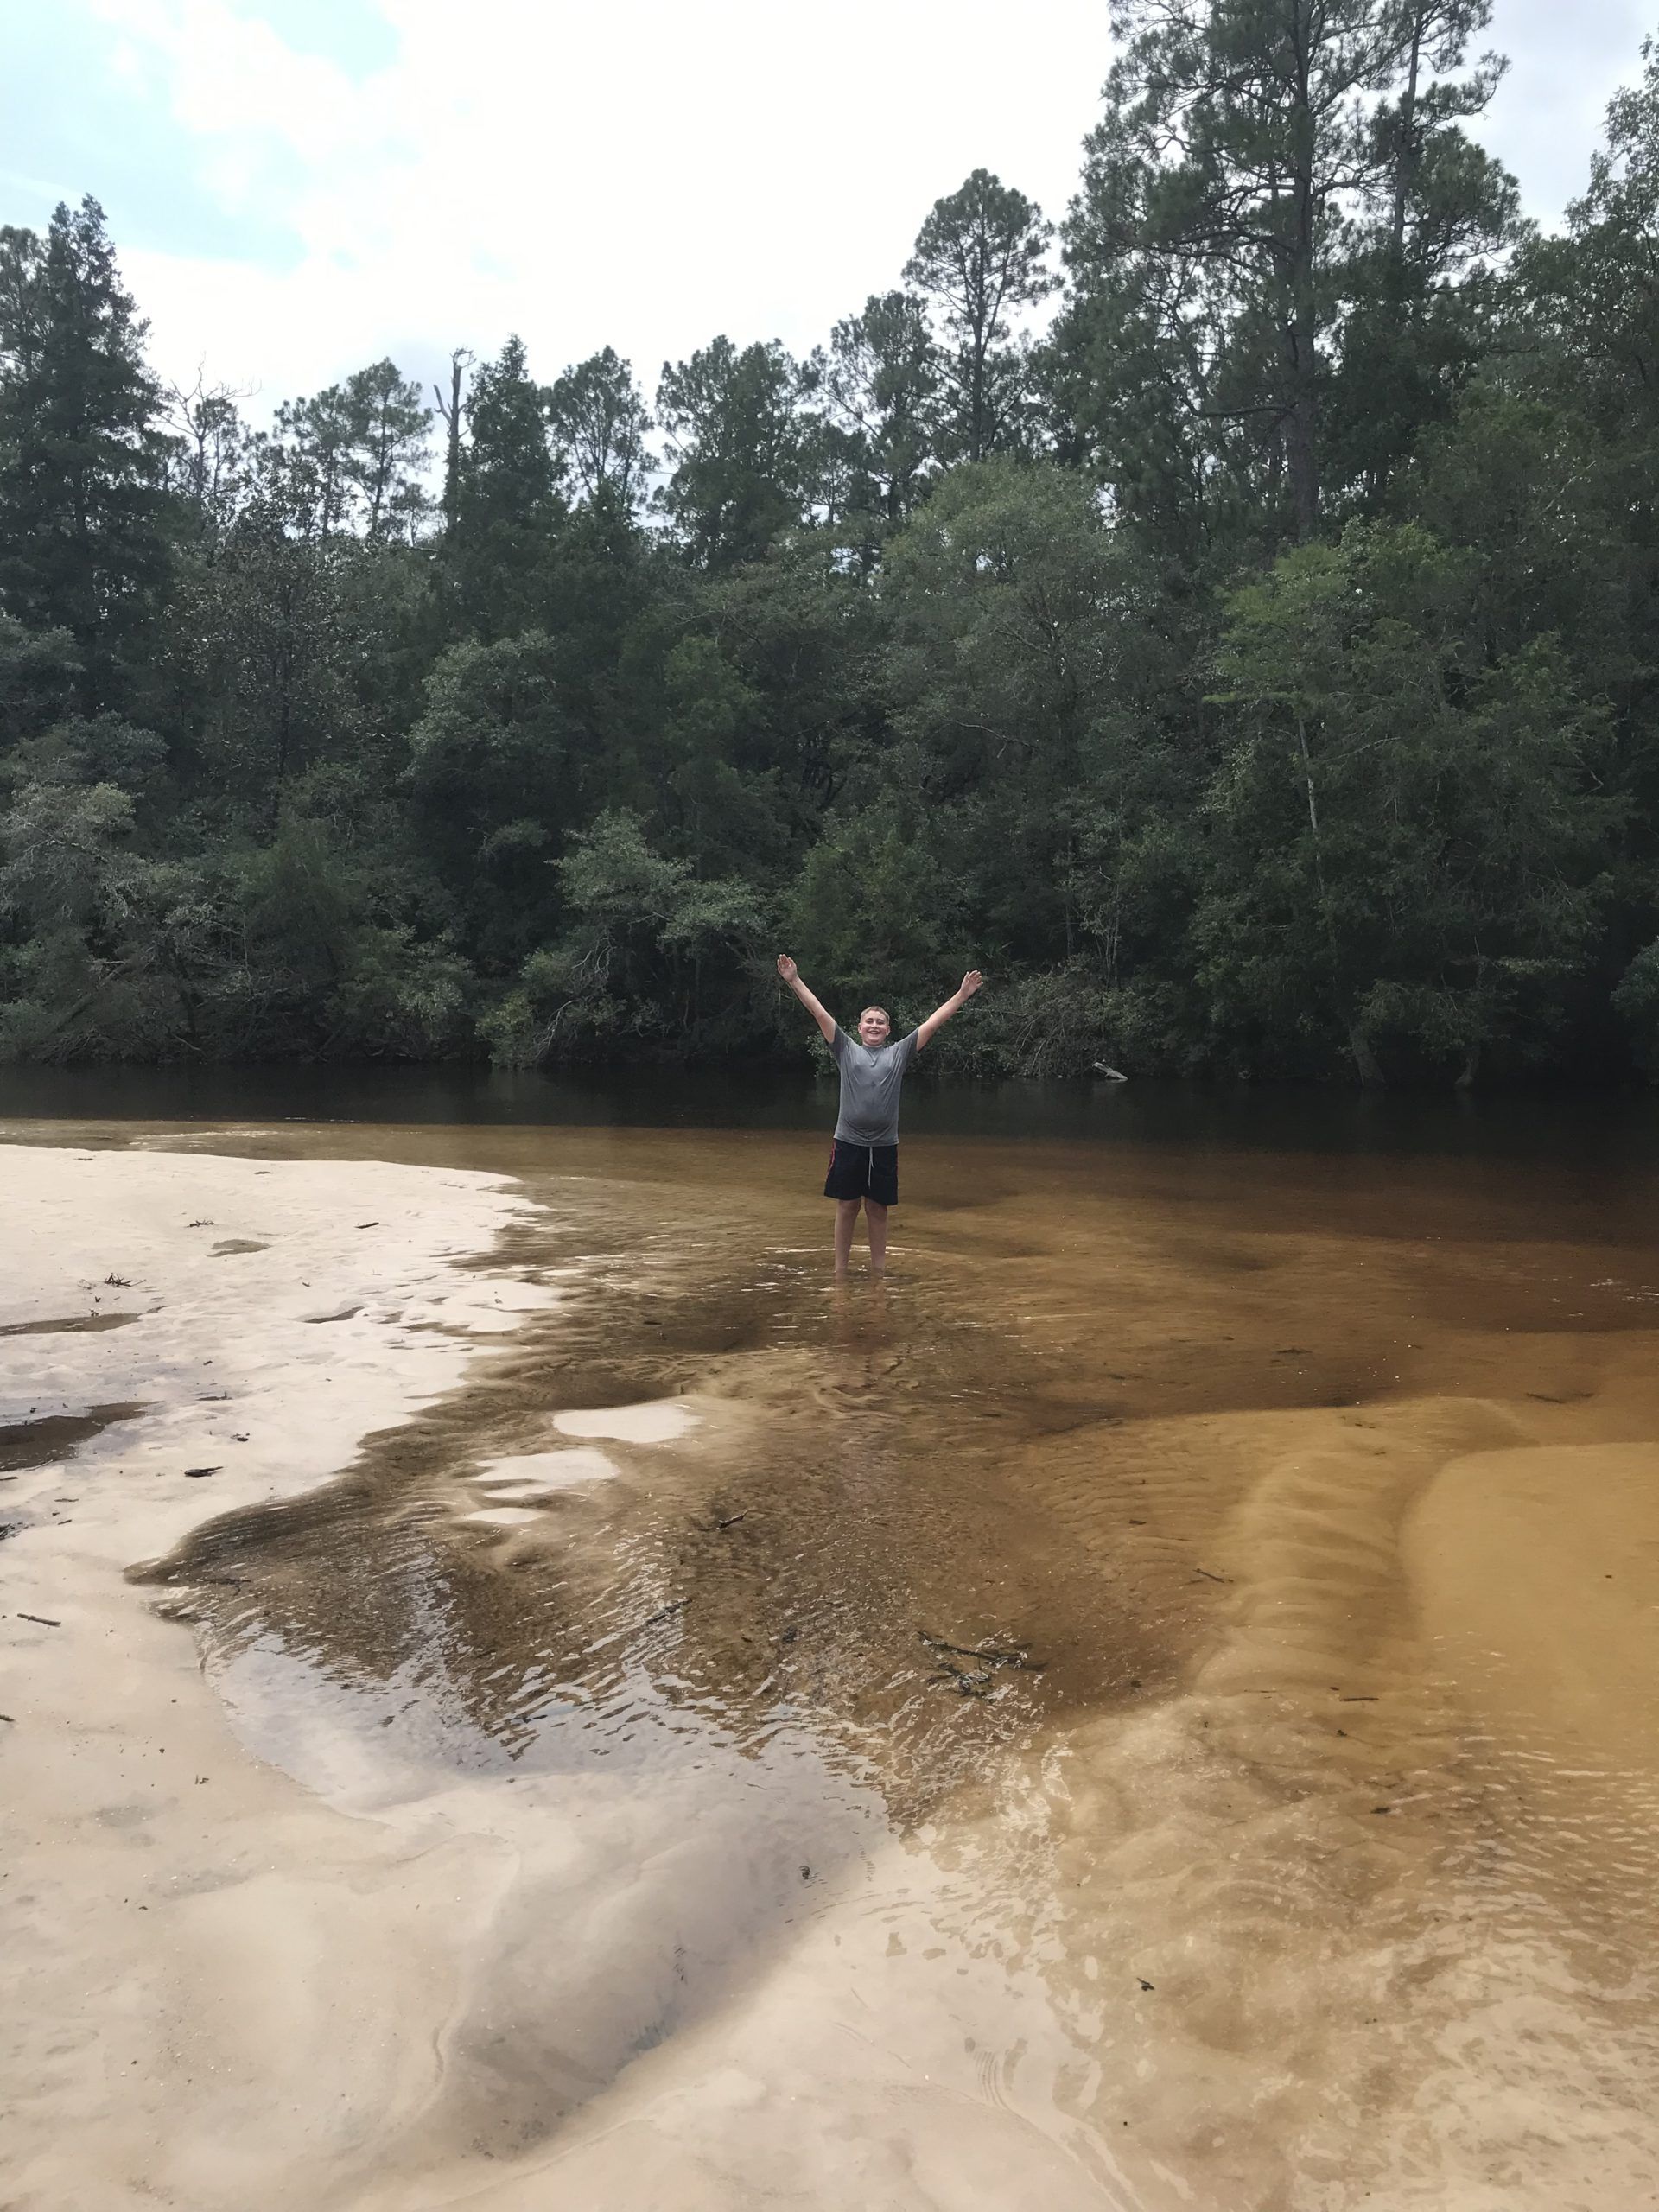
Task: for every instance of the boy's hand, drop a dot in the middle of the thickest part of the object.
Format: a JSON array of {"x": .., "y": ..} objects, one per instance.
[
  {"x": 970, "y": 982},
  {"x": 786, "y": 968}
]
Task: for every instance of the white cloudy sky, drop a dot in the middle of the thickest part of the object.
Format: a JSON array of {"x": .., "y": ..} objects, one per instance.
[{"x": 297, "y": 187}]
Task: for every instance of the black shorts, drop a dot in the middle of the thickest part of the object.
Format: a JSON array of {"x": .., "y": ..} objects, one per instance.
[{"x": 863, "y": 1171}]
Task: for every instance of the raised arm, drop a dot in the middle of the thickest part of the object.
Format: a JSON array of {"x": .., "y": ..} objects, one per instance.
[
  {"x": 792, "y": 976},
  {"x": 936, "y": 1019}
]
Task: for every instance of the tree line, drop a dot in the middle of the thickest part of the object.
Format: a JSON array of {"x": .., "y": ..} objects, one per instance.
[{"x": 1232, "y": 620}]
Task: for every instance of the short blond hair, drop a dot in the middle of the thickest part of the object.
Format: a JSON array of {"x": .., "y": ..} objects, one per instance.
[{"x": 882, "y": 1010}]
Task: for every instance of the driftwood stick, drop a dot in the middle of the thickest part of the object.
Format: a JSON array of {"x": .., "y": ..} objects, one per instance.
[{"x": 988, "y": 1655}]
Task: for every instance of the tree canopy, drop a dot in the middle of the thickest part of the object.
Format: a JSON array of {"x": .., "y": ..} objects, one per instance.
[{"x": 1231, "y": 622}]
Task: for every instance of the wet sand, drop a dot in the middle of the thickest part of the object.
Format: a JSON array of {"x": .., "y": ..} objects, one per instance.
[{"x": 1153, "y": 1708}]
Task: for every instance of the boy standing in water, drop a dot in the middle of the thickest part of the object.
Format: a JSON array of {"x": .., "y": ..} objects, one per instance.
[{"x": 864, "y": 1158}]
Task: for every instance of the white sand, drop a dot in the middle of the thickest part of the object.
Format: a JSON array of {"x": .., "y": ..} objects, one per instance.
[
  {"x": 661, "y": 1421},
  {"x": 201, "y": 1959},
  {"x": 224, "y": 1989},
  {"x": 538, "y": 1472}
]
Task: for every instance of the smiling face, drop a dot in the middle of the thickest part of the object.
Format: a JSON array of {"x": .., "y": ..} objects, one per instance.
[{"x": 873, "y": 1027}]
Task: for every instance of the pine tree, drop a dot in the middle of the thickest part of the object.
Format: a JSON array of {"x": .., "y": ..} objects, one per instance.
[
  {"x": 1263, "y": 169},
  {"x": 979, "y": 257},
  {"x": 599, "y": 423},
  {"x": 739, "y": 439},
  {"x": 83, "y": 496},
  {"x": 880, "y": 383},
  {"x": 508, "y": 498}
]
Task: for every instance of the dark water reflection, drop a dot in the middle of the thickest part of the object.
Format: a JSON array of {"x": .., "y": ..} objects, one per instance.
[{"x": 1564, "y": 1128}]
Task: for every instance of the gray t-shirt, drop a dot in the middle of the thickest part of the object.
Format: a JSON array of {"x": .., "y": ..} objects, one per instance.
[{"x": 869, "y": 1087}]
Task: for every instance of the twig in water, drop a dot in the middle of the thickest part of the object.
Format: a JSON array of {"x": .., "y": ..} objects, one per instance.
[
  {"x": 976, "y": 1681},
  {"x": 988, "y": 1655}
]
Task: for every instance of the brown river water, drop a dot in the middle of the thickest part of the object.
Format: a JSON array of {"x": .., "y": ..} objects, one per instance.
[{"x": 1192, "y": 1633}]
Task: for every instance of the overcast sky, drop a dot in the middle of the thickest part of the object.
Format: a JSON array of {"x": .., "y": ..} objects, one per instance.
[{"x": 299, "y": 187}]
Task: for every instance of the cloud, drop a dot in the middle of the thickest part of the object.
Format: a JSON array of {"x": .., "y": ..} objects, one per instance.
[
  {"x": 1566, "y": 63},
  {"x": 642, "y": 175}
]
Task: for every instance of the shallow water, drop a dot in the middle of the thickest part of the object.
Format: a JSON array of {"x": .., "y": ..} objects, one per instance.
[{"x": 1220, "y": 1579}]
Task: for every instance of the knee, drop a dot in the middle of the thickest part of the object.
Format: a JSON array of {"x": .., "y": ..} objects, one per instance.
[
  {"x": 847, "y": 1208},
  {"x": 875, "y": 1210}
]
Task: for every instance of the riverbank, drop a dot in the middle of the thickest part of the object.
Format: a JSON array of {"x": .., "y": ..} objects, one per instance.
[
  {"x": 265, "y": 1951},
  {"x": 1151, "y": 1709},
  {"x": 202, "y": 1958}
]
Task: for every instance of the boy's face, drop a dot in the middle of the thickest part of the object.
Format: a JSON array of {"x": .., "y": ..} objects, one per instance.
[{"x": 873, "y": 1027}]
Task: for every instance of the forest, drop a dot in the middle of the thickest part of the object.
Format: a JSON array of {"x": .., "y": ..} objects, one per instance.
[{"x": 1228, "y": 615}]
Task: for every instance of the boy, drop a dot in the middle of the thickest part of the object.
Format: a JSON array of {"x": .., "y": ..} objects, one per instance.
[{"x": 864, "y": 1158}]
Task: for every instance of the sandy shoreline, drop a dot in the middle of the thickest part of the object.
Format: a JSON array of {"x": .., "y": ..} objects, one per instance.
[
  {"x": 225, "y": 1988},
  {"x": 179, "y": 1914}
]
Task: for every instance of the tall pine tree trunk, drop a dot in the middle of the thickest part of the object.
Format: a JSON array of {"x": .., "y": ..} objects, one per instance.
[
  {"x": 1406, "y": 161},
  {"x": 1301, "y": 330},
  {"x": 450, "y": 410}
]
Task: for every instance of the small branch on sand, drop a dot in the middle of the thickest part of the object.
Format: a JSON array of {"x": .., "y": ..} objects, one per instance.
[
  {"x": 194, "y": 1474},
  {"x": 1208, "y": 1576},
  {"x": 39, "y": 1620}
]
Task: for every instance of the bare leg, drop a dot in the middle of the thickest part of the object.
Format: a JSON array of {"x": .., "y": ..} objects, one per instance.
[
  {"x": 846, "y": 1215},
  {"x": 877, "y": 1217}
]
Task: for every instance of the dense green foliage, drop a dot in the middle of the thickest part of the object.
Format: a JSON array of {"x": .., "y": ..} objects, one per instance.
[{"x": 1252, "y": 668}]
